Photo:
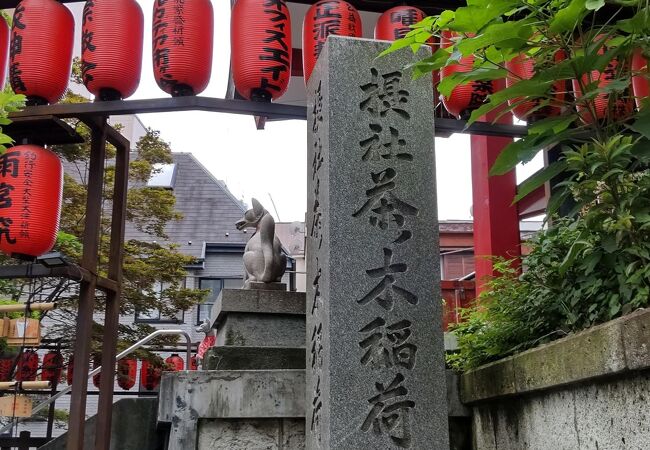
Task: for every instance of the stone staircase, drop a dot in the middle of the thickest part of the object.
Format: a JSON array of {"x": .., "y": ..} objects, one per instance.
[{"x": 251, "y": 393}]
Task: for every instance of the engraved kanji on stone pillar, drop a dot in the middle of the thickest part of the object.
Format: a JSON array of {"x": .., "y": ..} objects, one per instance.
[{"x": 375, "y": 355}]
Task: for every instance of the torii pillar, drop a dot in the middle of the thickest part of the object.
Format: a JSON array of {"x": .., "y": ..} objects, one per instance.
[{"x": 496, "y": 219}]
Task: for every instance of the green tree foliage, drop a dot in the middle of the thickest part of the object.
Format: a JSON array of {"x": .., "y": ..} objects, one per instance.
[{"x": 591, "y": 265}]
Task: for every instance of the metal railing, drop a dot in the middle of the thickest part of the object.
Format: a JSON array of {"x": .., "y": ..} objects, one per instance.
[{"x": 96, "y": 370}]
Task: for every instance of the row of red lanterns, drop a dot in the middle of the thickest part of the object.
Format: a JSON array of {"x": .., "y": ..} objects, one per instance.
[
  {"x": 27, "y": 365},
  {"x": 42, "y": 36},
  {"x": 182, "y": 36}
]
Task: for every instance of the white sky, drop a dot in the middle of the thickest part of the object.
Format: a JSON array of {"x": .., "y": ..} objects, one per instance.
[{"x": 273, "y": 161}]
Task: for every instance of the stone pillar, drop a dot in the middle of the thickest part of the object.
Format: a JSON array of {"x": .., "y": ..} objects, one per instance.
[{"x": 375, "y": 368}]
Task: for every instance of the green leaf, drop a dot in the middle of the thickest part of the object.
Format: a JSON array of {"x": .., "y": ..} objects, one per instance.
[
  {"x": 447, "y": 84},
  {"x": 516, "y": 32},
  {"x": 567, "y": 18},
  {"x": 642, "y": 123},
  {"x": 539, "y": 178},
  {"x": 594, "y": 5},
  {"x": 524, "y": 150}
]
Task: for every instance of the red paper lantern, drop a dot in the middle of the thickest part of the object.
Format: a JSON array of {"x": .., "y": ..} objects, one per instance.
[
  {"x": 27, "y": 366},
  {"x": 52, "y": 367},
  {"x": 194, "y": 363},
  {"x": 111, "y": 47},
  {"x": 175, "y": 363},
  {"x": 522, "y": 68},
  {"x": 150, "y": 375},
  {"x": 396, "y": 22},
  {"x": 182, "y": 45},
  {"x": 70, "y": 372},
  {"x": 6, "y": 367},
  {"x": 127, "y": 371},
  {"x": 620, "y": 109},
  {"x": 464, "y": 98},
  {"x": 260, "y": 55},
  {"x": 4, "y": 51},
  {"x": 31, "y": 185},
  {"x": 640, "y": 84},
  {"x": 41, "y": 50},
  {"x": 327, "y": 17}
]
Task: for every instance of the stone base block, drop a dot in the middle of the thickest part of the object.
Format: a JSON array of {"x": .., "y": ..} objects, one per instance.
[
  {"x": 254, "y": 358},
  {"x": 261, "y": 330},
  {"x": 187, "y": 397},
  {"x": 258, "y": 318},
  {"x": 252, "y": 434}
]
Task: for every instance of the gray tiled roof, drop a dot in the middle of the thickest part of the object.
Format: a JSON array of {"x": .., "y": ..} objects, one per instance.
[{"x": 209, "y": 209}]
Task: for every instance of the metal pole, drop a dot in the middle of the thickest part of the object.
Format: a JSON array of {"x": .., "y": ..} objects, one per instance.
[
  {"x": 87, "y": 289},
  {"x": 112, "y": 313}
]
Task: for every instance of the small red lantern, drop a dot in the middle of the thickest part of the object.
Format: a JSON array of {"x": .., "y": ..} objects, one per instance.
[
  {"x": 182, "y": 45},
  {"x": 175, "y": 363},
  {"x": 396, "y": 22},
  {"x": 69, "y": 374},
  {"x": 467, "y": 97},
  {"x": 27, "y": 366},
  {"x": 31, "y": 186},
  {"x": 42, "y": 37},
  {"x": 620, "y": 109},
  {"x": 111, "y": 48},
  {"x": 52, "y": 367},
  {"x": 260, "y": 56},
  {"x": 194, "y": 363},
  {"x": 640, "y": 84},
  {"x": 6, "y": 367},
  {"x": 150, "y": 375},
  {"x": 4, "y": 51},
  {"x": 322, "y": 19},
  {"x": 127, "y": 371},
  {"x": 522, "y": 68}
]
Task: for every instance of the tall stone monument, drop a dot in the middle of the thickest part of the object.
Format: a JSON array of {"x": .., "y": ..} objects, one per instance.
[{"x": 375, "y": 368}]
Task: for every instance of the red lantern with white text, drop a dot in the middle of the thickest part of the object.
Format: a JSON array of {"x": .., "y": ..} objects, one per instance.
[
  {"x": 175, "y": 363},
  {"x": 396, "y": 22},
  {"x": 111, "y": 48},
  {"x": 31, "y": 186},
  {"x": 127, "y": 371},
  {"x": 182, "y": 45},
  {"x": 42, "y": 37},
  {"x": 522, "y": 68},
  {"x": 27, "y": 366},
  {"x": 327, "y": 17},
  {"x": 603, "y": 108},
  {"x": 640, "y": 84},
  {"x": 260, "y": 56},
  {"x": 52, "y": 367},
  {"x": 464, "y": 98},
  {"x": 149, "y": 375},
  {"x": 6, "y": 367}
]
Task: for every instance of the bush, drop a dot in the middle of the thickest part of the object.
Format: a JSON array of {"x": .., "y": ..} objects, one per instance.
[{"x": 563, "y": 290}]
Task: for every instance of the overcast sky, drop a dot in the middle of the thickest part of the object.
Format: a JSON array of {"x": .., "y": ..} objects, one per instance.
[{"x": 272, "y": 161}]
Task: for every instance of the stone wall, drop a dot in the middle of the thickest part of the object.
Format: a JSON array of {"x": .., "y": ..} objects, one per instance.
[{"x": 587, "y": 391}]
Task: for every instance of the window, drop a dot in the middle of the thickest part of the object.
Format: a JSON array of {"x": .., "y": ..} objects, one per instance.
[
  {"x": 215, "y": 285},
  {"x": 163, "y": 176},
  {"x": 154, "y": 315}
]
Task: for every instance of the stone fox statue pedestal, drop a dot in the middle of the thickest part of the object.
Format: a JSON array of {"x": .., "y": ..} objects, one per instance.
[
  {"x": 263, "y": 259},
  {"x": 251, "y": 391}
]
